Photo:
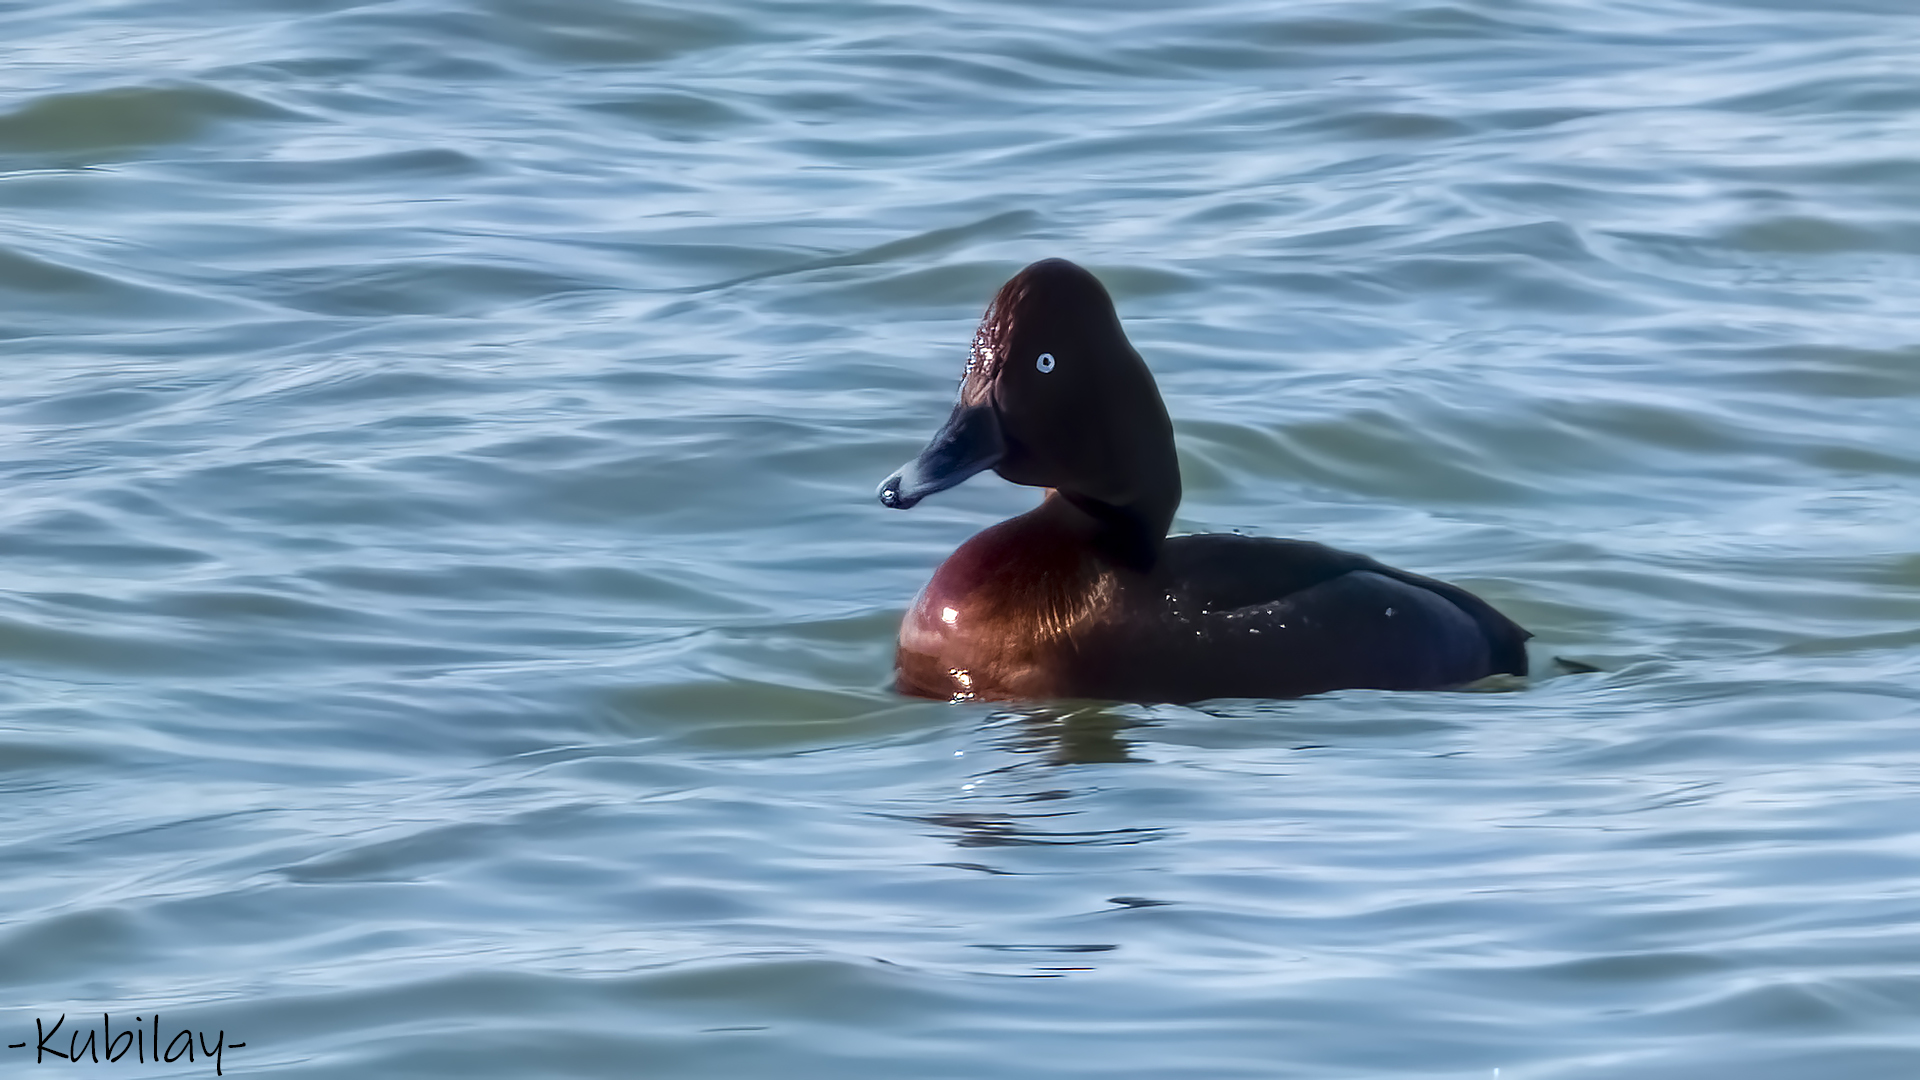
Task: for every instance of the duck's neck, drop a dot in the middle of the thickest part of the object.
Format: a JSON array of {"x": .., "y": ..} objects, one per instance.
[
  {"x": 1130, "y": 503},
  {"x": 1124, "y": 535}
]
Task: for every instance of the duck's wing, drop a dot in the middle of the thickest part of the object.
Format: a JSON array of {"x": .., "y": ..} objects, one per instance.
[
  {"x": 1506, "y": 639},
  {"x": 1224, "y": 572},
  {"x": 1221, "y": 571}
]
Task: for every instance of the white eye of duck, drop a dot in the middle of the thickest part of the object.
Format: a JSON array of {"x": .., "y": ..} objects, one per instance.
[{"x": 1045, "y": 363}]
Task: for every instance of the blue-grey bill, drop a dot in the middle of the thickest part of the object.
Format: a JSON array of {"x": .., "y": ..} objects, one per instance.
[{"x": 968, "y": 443}]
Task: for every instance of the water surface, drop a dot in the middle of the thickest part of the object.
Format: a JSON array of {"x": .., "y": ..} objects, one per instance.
[{"x": 445, "y": 625}]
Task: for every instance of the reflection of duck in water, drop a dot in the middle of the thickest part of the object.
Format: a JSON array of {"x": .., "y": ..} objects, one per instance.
[{"x": 1087, "y": 596}]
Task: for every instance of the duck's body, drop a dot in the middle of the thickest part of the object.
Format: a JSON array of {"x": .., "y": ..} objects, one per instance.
[
  {"x": 1029, "y": 609},
  {"x": 1086, "y": 595}
]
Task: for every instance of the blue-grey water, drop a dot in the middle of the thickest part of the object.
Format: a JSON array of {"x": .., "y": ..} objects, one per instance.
[{"x": 446, "y": 626}]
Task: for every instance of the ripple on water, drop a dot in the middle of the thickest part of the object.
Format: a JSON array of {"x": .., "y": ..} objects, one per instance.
[{"x": 119, "y": 123}]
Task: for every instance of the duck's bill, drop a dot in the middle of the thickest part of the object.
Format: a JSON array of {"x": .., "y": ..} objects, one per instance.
[{"x": 968, "y": 443}]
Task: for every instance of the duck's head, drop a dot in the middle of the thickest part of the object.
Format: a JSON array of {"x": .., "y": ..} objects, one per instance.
[{"x": 1054, "y": 396}]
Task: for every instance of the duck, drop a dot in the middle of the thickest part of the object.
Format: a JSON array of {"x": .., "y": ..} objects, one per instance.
[{"x": 1086, "y": 596}]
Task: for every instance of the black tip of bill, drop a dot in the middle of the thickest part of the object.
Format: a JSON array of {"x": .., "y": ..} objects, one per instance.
[{"x": 891, "y": 496}]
